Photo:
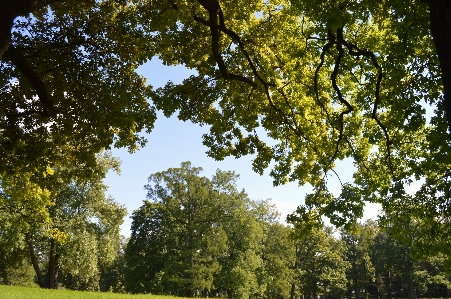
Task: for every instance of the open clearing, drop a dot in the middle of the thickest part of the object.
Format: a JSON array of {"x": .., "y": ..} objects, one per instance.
[{"x": 13, "y": 292}]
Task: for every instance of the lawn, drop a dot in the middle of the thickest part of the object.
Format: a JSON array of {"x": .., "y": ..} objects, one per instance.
[{"x": 13, "y": 292}]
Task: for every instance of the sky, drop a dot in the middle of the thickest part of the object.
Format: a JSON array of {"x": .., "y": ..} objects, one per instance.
[{"x": 173, "y": 141}]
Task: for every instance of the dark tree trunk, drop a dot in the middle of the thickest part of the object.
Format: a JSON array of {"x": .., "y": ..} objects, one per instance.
[
  {"x": 314, "y": 291},
  {"x": 354, "y": 275},
  {"x": 293, "y": 285},
  {"x": 51, "y": 281},
  {"x": 411, "y": 293},
  {"x": 52, "y": 271},
  {"x": 440, "y": 12},
  {"x": 293, "y": 288},
  {"x": 35, "y": 264},
  {"x": 389, "y": 284}
]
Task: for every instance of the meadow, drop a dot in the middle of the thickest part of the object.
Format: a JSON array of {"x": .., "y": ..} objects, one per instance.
[{"x": 14, "y": 292}]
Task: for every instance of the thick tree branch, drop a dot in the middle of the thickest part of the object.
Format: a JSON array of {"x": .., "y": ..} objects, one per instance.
[
  {"x": 215, "y": 35},
  {"x": 440, "y": 13},
  {"x": 355, "y": 51},
  {"x": 34, "y": 262},
  {"x": 217, "y": 25},
  {"x": 331, "y": 42},
  {"x": 333, "y": 78},
  {"x": 17, "y": 58}
]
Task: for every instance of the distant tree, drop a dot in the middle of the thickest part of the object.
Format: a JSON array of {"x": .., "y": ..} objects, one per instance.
[
  {"x": 146, "y": 252},
  {"x": 112, "y": 272},
  {"x": 359, "y": 246},
  {"x": 68, "y": 228},
  {"x": 432, "y": 278},
  {"x": 15, "y": 267},
  {"x": 321, "y": 264},
  {"x": 177, "y": 235},
  {"x": 395, "y": 268},
  {"x": 195, "y": 236},
  {"x": 242, "y": 262},
  {"x": 401, "y": 248},
  {"x": 279, "y": 255}
]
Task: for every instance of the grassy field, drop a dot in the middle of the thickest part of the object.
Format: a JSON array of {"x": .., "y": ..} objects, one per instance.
[{"x": 12, "y": 292}]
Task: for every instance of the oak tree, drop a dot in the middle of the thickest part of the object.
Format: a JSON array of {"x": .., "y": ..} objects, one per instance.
[{"x": 68, "y": 86}]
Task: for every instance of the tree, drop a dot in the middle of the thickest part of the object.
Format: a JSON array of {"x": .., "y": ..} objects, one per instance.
[
  {"x": 326, "y": 81},
  {"x": 321, "y": 264},
  {"x": 279, "y": 255},
  {"x": 243, "y": 235},
  {"x": 421, "y": 241},
  {"x": 178, "y": 234},
  {"x": 68, "y": 81},
  {"x": 195, "y": 236},
  {"x": 146, "y": 252},
  {"x": 394, "y": 267},
  {"x": 112, "y": 274},
  {"x": 15, "y": 267},
  {"x": 360, "y": 243},
  {"x": 69, "y": 228}
]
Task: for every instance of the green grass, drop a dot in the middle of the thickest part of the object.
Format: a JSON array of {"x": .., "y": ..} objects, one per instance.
[{"x": 13, "y": 292}]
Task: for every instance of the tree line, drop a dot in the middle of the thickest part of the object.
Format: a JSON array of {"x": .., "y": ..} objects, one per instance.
[
  {"x": 200, "y": 237},
  {"x": 300, "y": 84}
]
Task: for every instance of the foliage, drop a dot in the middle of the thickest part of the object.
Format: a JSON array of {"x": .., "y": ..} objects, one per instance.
[
  {"x": 304, "y": 84},
  {"x": 321, "y": 264},
  {"x": 279, "y": 257},
  {"x": 321, "y": 79},
  {"x": 186, "y": 238},
  {"x": 401, "y": 269},
  {"x": 112, "y": 273},
  {"x": 360, "y": 245},
  {"x": 301, "y": 84},
  {"x": 72, "y": 228},
  {"x": 68, "y": 86},
  {"x": 195, "y": 236},
  {"x": 12, "y": 254}
]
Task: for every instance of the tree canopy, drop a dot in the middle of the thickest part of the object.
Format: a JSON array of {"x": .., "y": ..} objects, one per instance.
[
  {"x": 68, "y": 84},
  {"x": 198, "y": 236},
  {"x": 304, "y": 84},
  {"x": 65, "y": 231},
  {"x": 301, "y": 84}
]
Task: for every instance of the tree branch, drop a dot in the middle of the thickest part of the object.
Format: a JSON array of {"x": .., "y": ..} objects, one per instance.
[
  {"x": 17, "y": 58},
  {"x": 355, "y": 51}
]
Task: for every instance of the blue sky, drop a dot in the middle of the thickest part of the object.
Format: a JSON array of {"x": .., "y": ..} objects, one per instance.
[{"x": 173, "y": 142}]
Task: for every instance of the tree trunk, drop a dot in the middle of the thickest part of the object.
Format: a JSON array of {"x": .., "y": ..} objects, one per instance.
[
  {"x": 52, "y": 271},
  {"x": 315, "y": 290},
  {"x": 411, "y": 293},
  {"x": 35, "y": 264},
  {"x": 293, "y": 285},
  {"x": 389, "y": 285},
  {"x": 354, "y": 274},
  {"x": 440, "y": 12},
  {"x": 293, "y": 288}
]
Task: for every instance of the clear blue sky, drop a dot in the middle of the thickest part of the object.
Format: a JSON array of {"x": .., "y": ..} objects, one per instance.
[{"x": 173, "y": 142}]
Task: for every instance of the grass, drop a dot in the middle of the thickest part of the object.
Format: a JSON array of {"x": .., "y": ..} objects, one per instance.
[{"x": 13, "y": 292}]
